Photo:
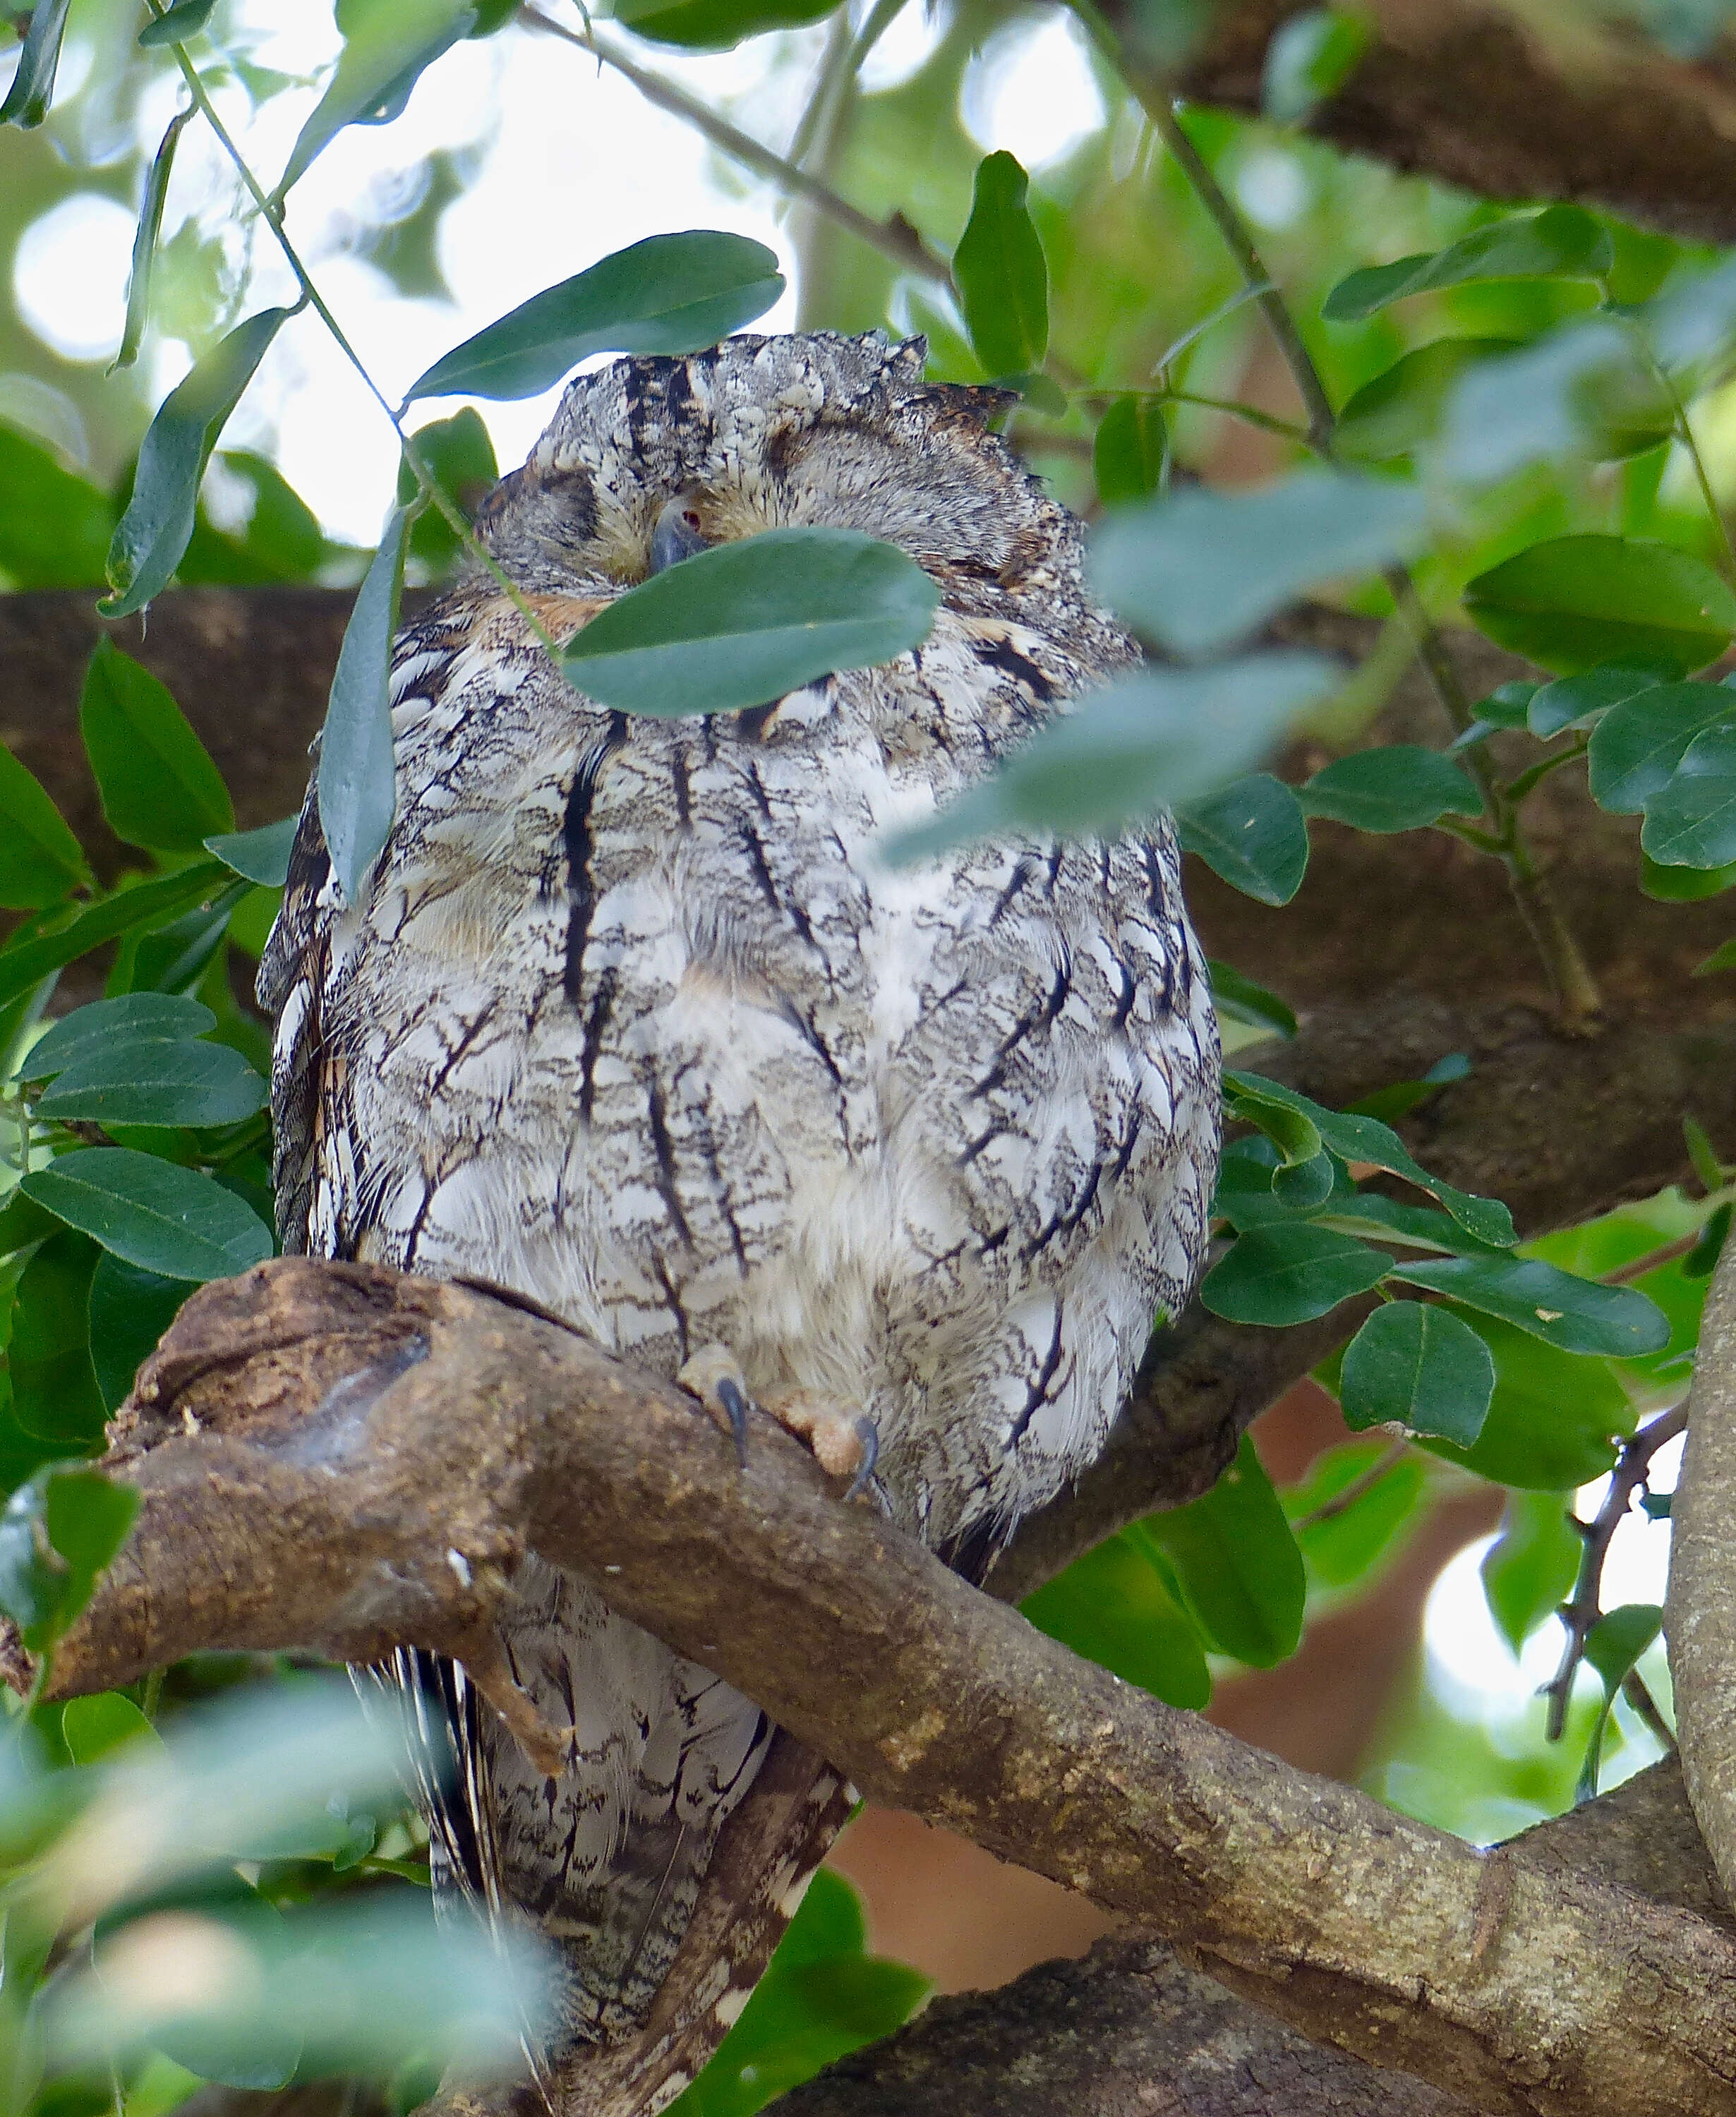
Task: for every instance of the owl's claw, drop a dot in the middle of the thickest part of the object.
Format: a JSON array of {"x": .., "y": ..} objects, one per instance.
[
  {"x": 868, "y": 1435},
  {"x": 713, "y": 1377}
]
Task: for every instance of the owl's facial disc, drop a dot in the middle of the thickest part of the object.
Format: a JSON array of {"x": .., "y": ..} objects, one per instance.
[{"x": 678, "y": 534}]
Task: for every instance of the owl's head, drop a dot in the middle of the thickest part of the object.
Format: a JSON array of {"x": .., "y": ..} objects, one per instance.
[{"x": 649, "y": 458}]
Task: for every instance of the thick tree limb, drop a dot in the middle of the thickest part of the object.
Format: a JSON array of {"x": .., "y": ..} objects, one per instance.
[
  {"x": 1702, "y": 1578},
  {"x": 1511, "y": 100},
  {"x": 1129, "y": 2027},
  {"x": 337, "y": 1457}
]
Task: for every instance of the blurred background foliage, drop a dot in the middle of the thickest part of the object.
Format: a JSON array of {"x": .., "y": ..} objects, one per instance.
[{"x": 518, "y": 161}]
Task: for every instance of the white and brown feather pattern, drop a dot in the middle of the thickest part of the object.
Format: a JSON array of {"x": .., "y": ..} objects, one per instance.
[{"x": 635, "y": 1019}]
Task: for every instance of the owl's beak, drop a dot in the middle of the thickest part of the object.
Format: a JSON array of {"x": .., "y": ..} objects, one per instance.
[{"x": 677, "y": 534}]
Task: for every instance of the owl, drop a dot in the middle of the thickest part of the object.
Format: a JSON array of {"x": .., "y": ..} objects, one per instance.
[{"x": 636, "y": 1019}]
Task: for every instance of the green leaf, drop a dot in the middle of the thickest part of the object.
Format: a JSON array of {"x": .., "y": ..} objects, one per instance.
[
  {"x": 33, "y": 1579},
  {"x": 1379, "y": 1218},
  {"x": 1640, "y": 742},
  {"x": 1238, "y": 998},
  {"x": 1563, "y": 242},
  {"x": 157, "y": 1083},
  {"x": 150, "y": 226},
  {"x": 154, "y": 531},
  {"x": 281, "y": 540},
  {"x": 1702, "y": 1261},
  {"x": 1692, "y": 822},
  {"x": 106, "y": 1024},
  {"x": 357, "y": 783},
  {"x": 1130, "y": 450},
  {"x": 1575, "y": 1315},
  {"x": 55, "y": 1396},
  {"x": 1288, "y": 1273},
  {"x": 1399, "y": 787},
  {"x": 1147, "y": 741},
  {"x": 1114, "y": 1606},
  {"x": 821, "y": 1997},
  {"x": 158, "y": 785},
  {"x": 999, "y": 269},
  {"x": 33, "y": 85},
  {"x": 186, "y": 19},
  {"x": 88, "y": 1517},
  {"x": 1309, "y": 57},
  {"x": 1392, "y": 416},
  {"x": 1704, "y": 1157},
  {"x": 39, "y": 858},
  {"x": 751, "y": 620},
  {"x": 387, "y": 46},
  {"x": 1530, "y": 1569},
  {"x": 1398, "y": 1098},
  {"x": 1357, "y": 1138},
  {"x": 1683, "y": 885},
  {"x": 1251, "y": 833},
  {"x": 54, "y": 525},
  {"x": 1197, "y": 569},
  {"x": 1551, "y": 1424},
  {"x": 1422, "y": 1367},
  {"x": 459, "y": 456},
  {"x": 1570, "y": 701},
  {"x": 669, "y": 294},
  {"x": 169, "y": 1220},
  {"x": 1723, "y": 957},
  {"x": 1574, "y": 602},
  {"x": 715, "y": 24},
  {"x": 130, "y": 1310},
  {"x": 262, "y": 855},
  {"x": 1616, "y": 1642},
  {"x": 1237, "y": 1563},
  {"x": 1585, "y": 393},
  {"x": 94, "y": 1728},
  {"x": 1347, "y": 1544}
]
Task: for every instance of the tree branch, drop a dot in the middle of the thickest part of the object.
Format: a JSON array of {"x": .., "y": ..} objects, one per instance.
[
  {"x": 337, "y": 1457},
  {"x": 1512, "y": 100}
]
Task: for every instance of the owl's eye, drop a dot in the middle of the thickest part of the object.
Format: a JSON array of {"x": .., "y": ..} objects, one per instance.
[{"x": 678, "y": 534}]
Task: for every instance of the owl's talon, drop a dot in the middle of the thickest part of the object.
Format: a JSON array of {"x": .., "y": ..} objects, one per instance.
[
  {"x": 868, "y": 1435},
  {"x": 714, "y": 1378},
  {"x": 735, "y": 1407}
]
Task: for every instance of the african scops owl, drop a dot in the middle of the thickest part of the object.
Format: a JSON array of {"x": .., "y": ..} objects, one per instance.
[{"x": 635, "y": 1019}]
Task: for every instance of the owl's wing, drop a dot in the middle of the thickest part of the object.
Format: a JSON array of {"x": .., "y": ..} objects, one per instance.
[{"x": 764, "y": 1859}]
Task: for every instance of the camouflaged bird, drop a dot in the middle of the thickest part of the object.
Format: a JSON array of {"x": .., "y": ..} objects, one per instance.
[{"x": 634, "y": 1019}]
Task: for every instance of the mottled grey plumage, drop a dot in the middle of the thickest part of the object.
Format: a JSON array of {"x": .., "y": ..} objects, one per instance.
[{"x": 634, "y": 1020}]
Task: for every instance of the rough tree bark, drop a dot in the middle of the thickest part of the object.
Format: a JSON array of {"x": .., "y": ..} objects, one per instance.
[{"x": 339, "y": 1457}]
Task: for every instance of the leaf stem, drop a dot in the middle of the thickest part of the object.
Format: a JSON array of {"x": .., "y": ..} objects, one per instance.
[{"x": 1521, "y": 783}]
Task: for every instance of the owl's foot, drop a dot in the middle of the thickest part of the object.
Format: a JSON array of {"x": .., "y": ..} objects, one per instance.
[
  {"x": 713, "y": 1377},
  {"x": 845, "y": 1443}
]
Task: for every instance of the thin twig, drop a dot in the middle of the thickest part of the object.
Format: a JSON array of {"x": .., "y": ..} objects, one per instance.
[
  {"x": 894, "y": 238},
  {"x": 1631, "y": 1474},
  {"x": 1624, "y": 1274},
  {"x": 1342, "y": 1502}
]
